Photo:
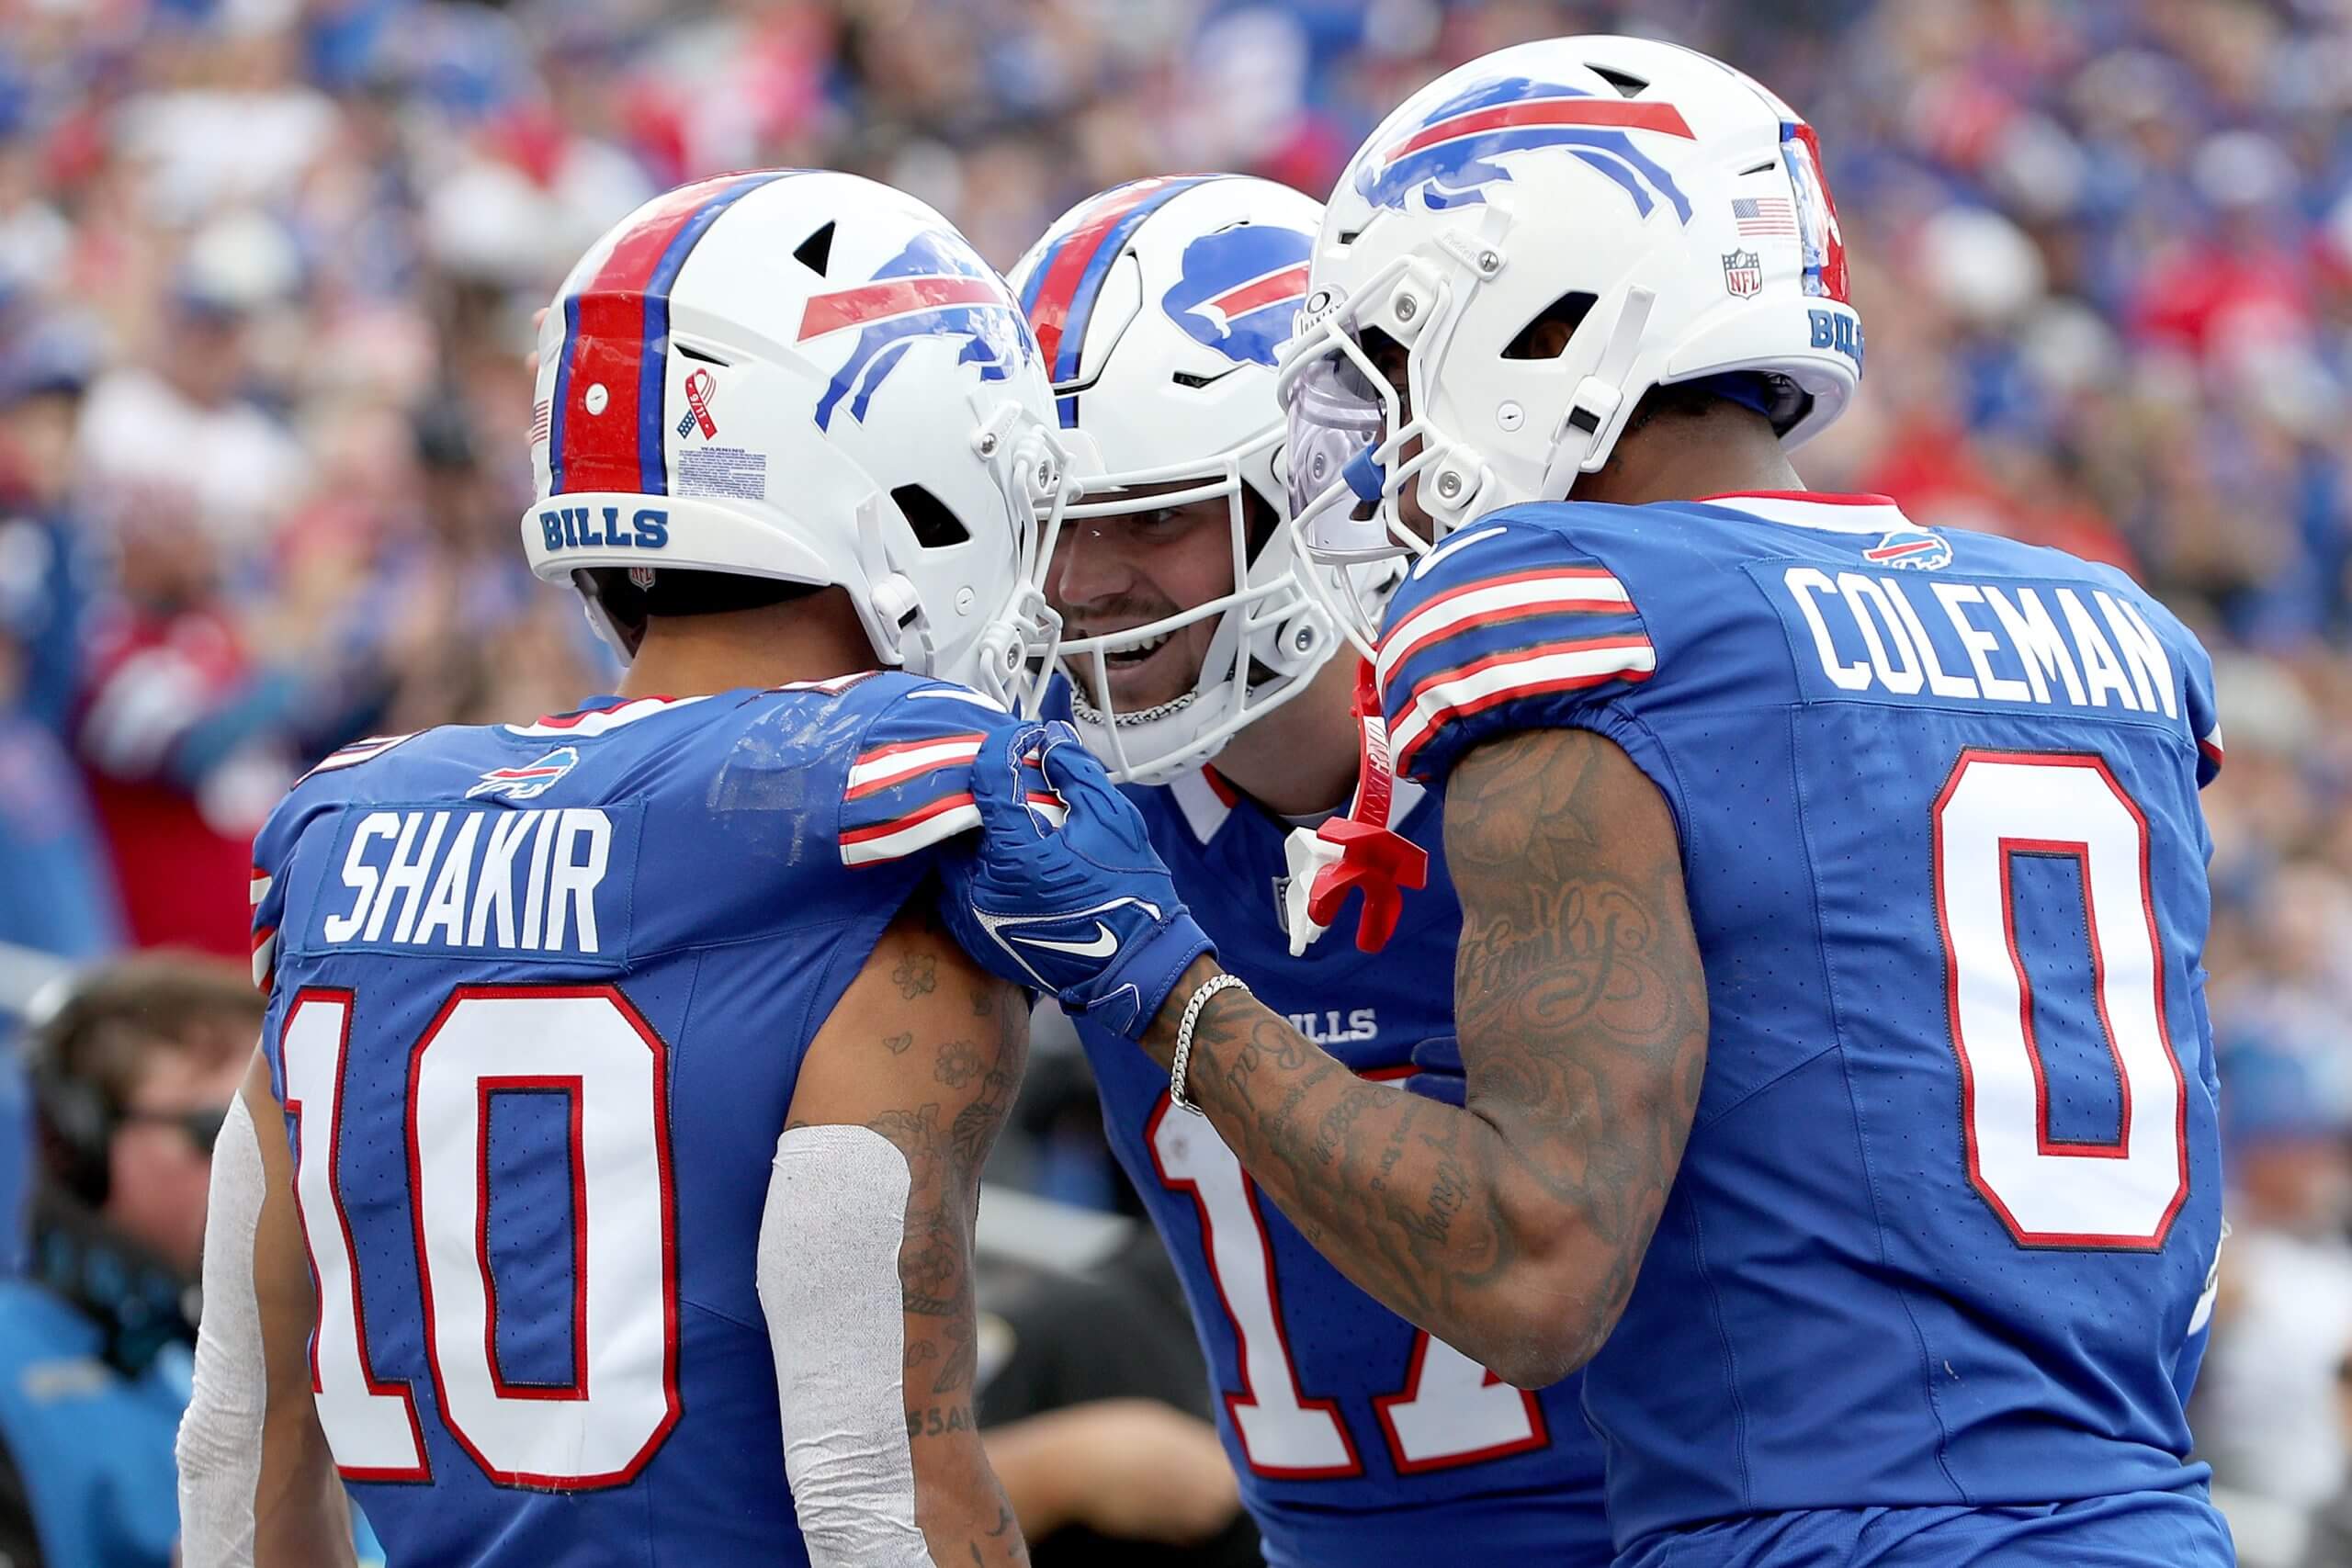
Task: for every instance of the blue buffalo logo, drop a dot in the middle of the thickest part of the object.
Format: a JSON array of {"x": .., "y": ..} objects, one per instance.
[
  {"x": 1450, "y": 156},
  {"x": 936, "y": 287},
  {"x": 1912, "y": 549},
  {"x": 1239, "y": 291}
]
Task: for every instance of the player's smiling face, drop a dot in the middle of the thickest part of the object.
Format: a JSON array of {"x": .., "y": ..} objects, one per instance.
[{"x": 1111, "y": 574}]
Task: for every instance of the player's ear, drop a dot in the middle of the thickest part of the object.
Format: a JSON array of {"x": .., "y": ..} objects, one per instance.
[{"x": 1546, "y": 335}]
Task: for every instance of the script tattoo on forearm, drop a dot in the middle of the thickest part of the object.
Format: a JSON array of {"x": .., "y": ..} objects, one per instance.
[
  {"x": 1579, "y": 994},
  {"x": 1581, "y": 1009}
]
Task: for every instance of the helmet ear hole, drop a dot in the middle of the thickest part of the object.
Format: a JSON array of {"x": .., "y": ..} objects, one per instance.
[
  {"x": 1548, "y": 332},
  {"x": 936, "y": 527}
]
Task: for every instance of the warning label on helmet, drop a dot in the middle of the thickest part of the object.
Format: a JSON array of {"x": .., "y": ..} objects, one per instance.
[{"x": 723, "y": 470}]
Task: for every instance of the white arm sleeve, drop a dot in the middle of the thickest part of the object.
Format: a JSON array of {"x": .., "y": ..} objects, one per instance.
[
  {"x": 220, "y": 1438},
  {"x": 829, "y": 1286}
]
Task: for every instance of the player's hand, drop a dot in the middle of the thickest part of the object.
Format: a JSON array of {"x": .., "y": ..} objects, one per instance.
[
  {"x": 1085, "y": 910},
  {"x": 1437, "y": 1070}
]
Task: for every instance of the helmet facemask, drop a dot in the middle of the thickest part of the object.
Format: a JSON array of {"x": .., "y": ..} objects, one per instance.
[
  {"x": 1161, "y": 306},
  {"x": 1267, "y": 626},
  {"x": 1357, "y": 441}
]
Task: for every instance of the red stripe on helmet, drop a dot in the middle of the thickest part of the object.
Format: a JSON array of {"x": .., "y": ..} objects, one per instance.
[
  {"x": 1617, "y": 112},
  {"x": 607, "y": 344},
  {"x": 1050, "y": 314},
  {"x": 1261, "y": 292},
  {"x": 893, "y": 297}
]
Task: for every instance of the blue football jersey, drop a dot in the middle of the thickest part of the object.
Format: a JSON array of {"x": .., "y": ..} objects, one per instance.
[
  {"x": 1358, "y": 1439},
  {"x": 1952, "y": 1194},
  {"x": 539, "y": 995}
]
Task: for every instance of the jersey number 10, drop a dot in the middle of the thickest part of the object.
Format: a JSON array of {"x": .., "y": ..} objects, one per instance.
[{"x": 589, "y": 1045}]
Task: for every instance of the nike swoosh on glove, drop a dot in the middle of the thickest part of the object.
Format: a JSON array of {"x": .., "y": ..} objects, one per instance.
[
  {"x": 1437, "y": 1070},
  {"x": 1085, "y": 910}
]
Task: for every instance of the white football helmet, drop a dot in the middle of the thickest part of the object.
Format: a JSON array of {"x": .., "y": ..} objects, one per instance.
[
  {"x": 1162, "y": 306},
  {"x": 1669, "y": 207},
  {"x": 809, "y": 378}
]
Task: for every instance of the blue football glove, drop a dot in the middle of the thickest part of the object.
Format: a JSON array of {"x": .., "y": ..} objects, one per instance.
[
  {"x": 1085, "y": 910},
  {"x": 1437, "y": 1070}
]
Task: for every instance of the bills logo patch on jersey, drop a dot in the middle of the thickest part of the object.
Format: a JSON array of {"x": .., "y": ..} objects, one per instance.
[
  {"x": 1911, "y": 550},
  {"x": 1450, "y": 158},
  {"x": 936, "y": 287},
  {"x": 531, "y": 779},
  {"x": 1241, "y": 289},
  {"x": 1743, "y": 273}
]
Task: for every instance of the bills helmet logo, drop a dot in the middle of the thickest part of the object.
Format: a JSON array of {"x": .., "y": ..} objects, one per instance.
[
  {"x": 1911, "y": 550},
  {"x": 1449, "y": 157},
  {"x": 936, "y": 287},
  {"x": 1241, "y": 289},
  {"x": 529, "y": 781}
]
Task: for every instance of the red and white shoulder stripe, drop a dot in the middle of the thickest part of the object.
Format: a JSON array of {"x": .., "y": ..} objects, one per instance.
[
  {"x": 934, "y": 822},
  {"x": 885, "y": 767},
  {"x": 1497, "y": 615},
  {"x": 1513, "y": 596},
  {"x": 1473, "y": 688}
]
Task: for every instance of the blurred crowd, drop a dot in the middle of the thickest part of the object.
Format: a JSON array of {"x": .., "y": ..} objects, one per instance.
[{"x": 267, "y": 270}]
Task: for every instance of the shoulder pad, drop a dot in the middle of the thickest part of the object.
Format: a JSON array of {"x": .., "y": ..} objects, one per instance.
[{"x": 1502, "y": 612}]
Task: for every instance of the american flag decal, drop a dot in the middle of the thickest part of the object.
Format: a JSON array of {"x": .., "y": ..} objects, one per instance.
[
  {"x": 1769, "y": 217},
  {"x": 542, "y": 420}
]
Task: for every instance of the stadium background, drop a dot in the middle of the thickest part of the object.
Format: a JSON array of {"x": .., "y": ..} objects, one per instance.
[{"x": 267, "y": 269}]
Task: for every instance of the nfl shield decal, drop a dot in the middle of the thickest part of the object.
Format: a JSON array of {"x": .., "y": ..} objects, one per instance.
[{"x": 1743, "y": 273}]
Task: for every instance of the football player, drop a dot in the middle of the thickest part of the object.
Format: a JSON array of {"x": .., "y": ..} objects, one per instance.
[
  {"x": 1200, "y": 667},
  {"x": 1829, "y": 997},
  {"x": 618, "y": 1096}
]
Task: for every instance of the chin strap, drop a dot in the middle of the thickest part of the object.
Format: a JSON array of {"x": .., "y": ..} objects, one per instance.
[{"x": 1358, "y": 850}]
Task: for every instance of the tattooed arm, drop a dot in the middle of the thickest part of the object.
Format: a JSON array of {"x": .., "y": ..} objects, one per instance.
[
  {"x": 1511, "y": 1227},
  {"x": 926, "y": 1049}
]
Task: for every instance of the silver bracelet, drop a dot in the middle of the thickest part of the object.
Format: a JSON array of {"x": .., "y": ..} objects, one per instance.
[{"x": 1184, "y": 1059}]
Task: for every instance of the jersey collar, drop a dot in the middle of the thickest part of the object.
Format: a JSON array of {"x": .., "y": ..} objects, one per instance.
[
  {"x": 1814, "y": 509},
  {"x": 599, "y": 715},
  {"x": 1206, "y": 799}
]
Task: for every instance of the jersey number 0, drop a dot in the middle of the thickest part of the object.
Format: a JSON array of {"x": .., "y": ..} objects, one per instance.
[
  {"x": 2051, "y": 1193},
  {"x": 588, "y": 1045}
]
